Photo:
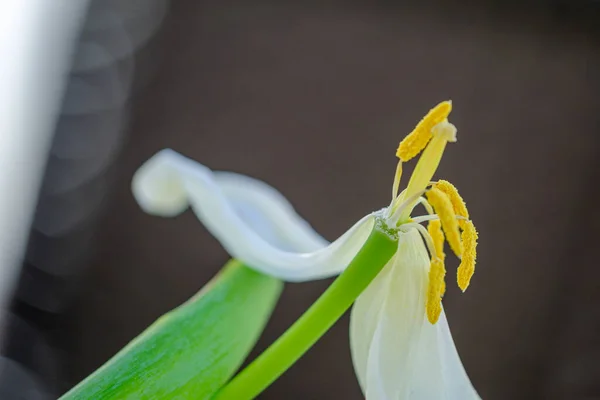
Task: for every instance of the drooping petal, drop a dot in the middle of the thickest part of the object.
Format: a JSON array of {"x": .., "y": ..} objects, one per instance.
[
  {"x": 251, "y": 220},
  {"x": 397, "y": 353},
  {"x": 268, "y": 212}
]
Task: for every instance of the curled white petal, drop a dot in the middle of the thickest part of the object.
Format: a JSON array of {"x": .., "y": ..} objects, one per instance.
[
  {"x": 251, "y": 220},
  {"x": 397, "y": 353},
  {"x": 268, "y": 212}
]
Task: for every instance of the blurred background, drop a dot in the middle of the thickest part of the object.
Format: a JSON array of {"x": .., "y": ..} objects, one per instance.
[{"x": 313, "y": 97}]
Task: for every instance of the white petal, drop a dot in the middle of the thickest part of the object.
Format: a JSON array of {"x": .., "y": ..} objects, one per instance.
[
  {"x": 397, "y": 353},
  {"x": 253, "y": 222},
  {"x": 268, "y": 212}
]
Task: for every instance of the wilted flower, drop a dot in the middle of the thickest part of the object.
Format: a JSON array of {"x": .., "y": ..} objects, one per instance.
[{"x": 401, "y": 343}]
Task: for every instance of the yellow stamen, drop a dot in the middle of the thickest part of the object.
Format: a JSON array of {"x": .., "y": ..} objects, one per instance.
[
  {"x": 416, "y": 141},
  {"x": 437, "y": 236},
  {"x": 435, "y": 289},
  {"x": 443, "y": 133},
  {"x": 460, "y": 208},
  {"x": 443, "y": 208},
  {"x": 467, "y": 264}
]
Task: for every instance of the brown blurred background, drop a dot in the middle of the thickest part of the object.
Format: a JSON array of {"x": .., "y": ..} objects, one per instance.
[{"x": 312, "y": 98}]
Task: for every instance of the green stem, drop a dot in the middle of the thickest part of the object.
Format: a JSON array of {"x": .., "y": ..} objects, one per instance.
[{"x": 332, "y": 304}]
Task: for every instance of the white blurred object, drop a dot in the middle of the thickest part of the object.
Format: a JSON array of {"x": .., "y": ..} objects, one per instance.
[
  {"x": 114, "y": 44},
  {"x": 36, "y": 46}
]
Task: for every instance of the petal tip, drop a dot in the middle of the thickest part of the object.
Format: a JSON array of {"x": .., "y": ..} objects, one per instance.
[{"x": 157, "y": 185}]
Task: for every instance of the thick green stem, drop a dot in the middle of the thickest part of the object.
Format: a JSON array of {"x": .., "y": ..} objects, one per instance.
[{"x": 376, "y": 252}]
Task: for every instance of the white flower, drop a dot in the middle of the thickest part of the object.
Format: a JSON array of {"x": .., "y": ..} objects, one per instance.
[
  {"x": 397, "y": 352},
  {"x": 401, "y": 343}
]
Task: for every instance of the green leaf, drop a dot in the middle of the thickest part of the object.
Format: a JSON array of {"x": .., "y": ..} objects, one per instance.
[{"x": 190, "y": 352}]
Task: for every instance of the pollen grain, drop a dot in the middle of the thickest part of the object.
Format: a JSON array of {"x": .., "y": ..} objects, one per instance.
[
  {"x": 437, "y": 236},
  {"x": 437, "y": 272},
  {"x": 416, "y": 141},
  {"x": 459, "y": 205},
  {"x": 443, "y": 207},
  {"x": 467, "y": 265}
]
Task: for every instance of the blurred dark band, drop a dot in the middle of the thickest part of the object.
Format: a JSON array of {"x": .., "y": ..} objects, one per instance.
[{"x": 89, "y": 134}]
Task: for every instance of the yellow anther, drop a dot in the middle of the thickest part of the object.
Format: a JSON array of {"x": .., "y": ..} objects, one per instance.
[
  {"x": 460, "y": 208},
  {"x": 442, "y": 133},
  {"x": 416, "y": 141},
  {"x": 435, "y": 289},
  {"x": 443, "y": 208},
  {"x": 467, "y": 264},
  {"x": 437, "y": 236}
]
